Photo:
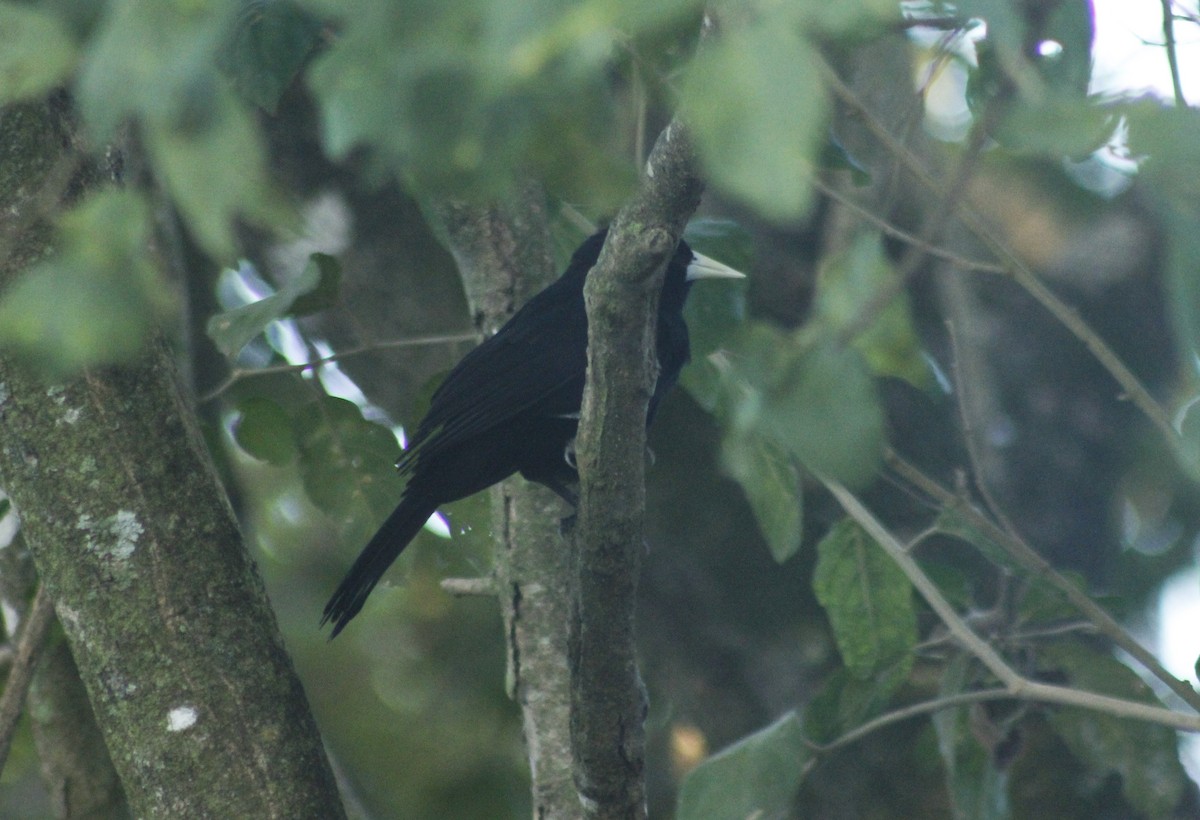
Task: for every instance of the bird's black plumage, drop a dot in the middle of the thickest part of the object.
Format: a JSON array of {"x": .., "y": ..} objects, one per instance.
[{"x": 512, "y": 405}]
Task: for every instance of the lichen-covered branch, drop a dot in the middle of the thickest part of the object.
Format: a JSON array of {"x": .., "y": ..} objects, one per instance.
[
  {"x": 607, "y": 696},
  {"x": 134, "y": 541}
]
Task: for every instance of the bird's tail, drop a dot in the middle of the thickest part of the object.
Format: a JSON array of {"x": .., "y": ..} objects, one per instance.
[{"x": 379, "y": 553}]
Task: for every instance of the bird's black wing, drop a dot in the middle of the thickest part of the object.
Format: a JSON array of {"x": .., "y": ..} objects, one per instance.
[{"x": 534, "y": 362}]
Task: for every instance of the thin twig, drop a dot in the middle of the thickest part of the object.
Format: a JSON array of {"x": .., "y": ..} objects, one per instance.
[
  {"x": 1172, "y": 55},
  {"x": 966, "y": 418},
  {"x": 29, "y": 647},
  {"x": 1024, "y": 276},
  {"x": 1018, "y": 686},
  {"x": 470, "y": 586},
  {"x": 912, "y": 711},
  {"x": 238, "y": 374},
  {"x": 933, "y": 224},
  {"x": 1024, "y": 555},
  {"x": 959, "y": 261}
]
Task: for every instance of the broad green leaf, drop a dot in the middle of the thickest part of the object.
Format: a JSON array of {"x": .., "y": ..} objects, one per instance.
[
  {"x": 755, "y": 101},
  {"x": 1145, "y": 755},
  {"x": 977, "y": 788},
  {"x": 37, "y": 53},
  {"x": 96, "y": 299},
  {"x": 269, "y": 43},
  {"x": 217, "y": 172},
  {"x": 464, "y": 97},
  {"x": 264, "y": 430},
  {"x": 854, "y": 277},
  {"x": 771, "y": 482},
  {"x": 156, "y": 62},
  {"x": 853, "y": 19},
  {"x": 1072, "y": 27},
  {"x": 5, "y": 506},
  {"x": 347, "y": 464},
  {"x": 1056, "y": 126},
  {"x": 758, "y": 776},
  {"x": 1169, "y": 140},
  {"x": 844, "y": 702},
  {"x": 313, "y": 289},
  {"x": 325, "y": 294},
  {"x": 816, "y": 402},
  {"x": 867, "y": 598}
]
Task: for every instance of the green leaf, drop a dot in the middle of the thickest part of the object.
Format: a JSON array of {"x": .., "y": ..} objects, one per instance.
[
  {"x": 153, "y": 60},
  {"x": 347, "y": 464},
  {"x": 816, "y": 402},
  {"x": 264, "y": 431},
  {"x": 313, "y": 289},
  {"x": 216, "y": 172},
  {"x": 465, "y": 97},
  {"x": 1056, "y": 126},
  {"x": 852, "y": 278},
  {"x": 268, "y": 45},
  {"x": 978, "y": 789},
  {"x": 97, "y": 298},
  {"x": 36, "y": 52},
  {"x": 5, "y": 507},
  {"x": 325, "y": 294},
  {"x": 757, "y": 107},
  {"x": 771, "y": 483},
  {"x": 156, "y": 62},
  {"x": 1145, "y": 755},
  {"x": 758, "y": 776},
  {"x": 844, "y": 702},
  {"x": 867, "y": 598}
]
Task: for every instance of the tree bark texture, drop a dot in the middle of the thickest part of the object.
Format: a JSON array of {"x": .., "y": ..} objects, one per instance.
[
  {"x": 133, "y": 538},
  {"x": 504, "y": 255},
  {"x": 608, "y": 700}
]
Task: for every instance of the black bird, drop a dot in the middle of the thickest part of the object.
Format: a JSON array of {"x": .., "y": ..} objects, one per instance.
[{"x": 512, "y": 405}]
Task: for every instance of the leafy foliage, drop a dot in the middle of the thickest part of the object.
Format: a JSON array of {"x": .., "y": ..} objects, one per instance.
[
  {"x": 757, "y": 776},
  {"x": 868, "y": 600},
  {"x": 468, "y": 99}
]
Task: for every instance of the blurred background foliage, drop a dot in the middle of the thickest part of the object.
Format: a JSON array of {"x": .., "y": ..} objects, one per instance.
[{"x": 885, "y": 172}]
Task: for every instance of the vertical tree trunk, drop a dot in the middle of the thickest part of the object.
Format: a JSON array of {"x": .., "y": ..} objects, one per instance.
[{"x": 134, "y": 540}]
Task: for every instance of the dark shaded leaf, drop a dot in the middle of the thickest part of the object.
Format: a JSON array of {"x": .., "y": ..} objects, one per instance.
[
  {"x": 264, "y": 431},
  {"x": 977, "y": 788},
  {"x": 1145, "y": 755},
  {"x": 268, "y": 45},
  {"x": 758, "y": 776}
]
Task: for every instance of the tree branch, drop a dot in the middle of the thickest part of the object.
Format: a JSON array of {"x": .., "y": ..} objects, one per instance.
[
  {"x": 1017, "y": 685},
  {"x": 504, "y": 256},
  {"x": 607, "y": 696}
]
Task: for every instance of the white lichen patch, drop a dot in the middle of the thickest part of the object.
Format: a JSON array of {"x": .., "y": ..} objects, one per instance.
[
  {"x": 181, "y": 718},
  {"x": 71, "y": 415},
  {"x": 4, "y": 394},
  {"x": 126, "y": 530}
]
